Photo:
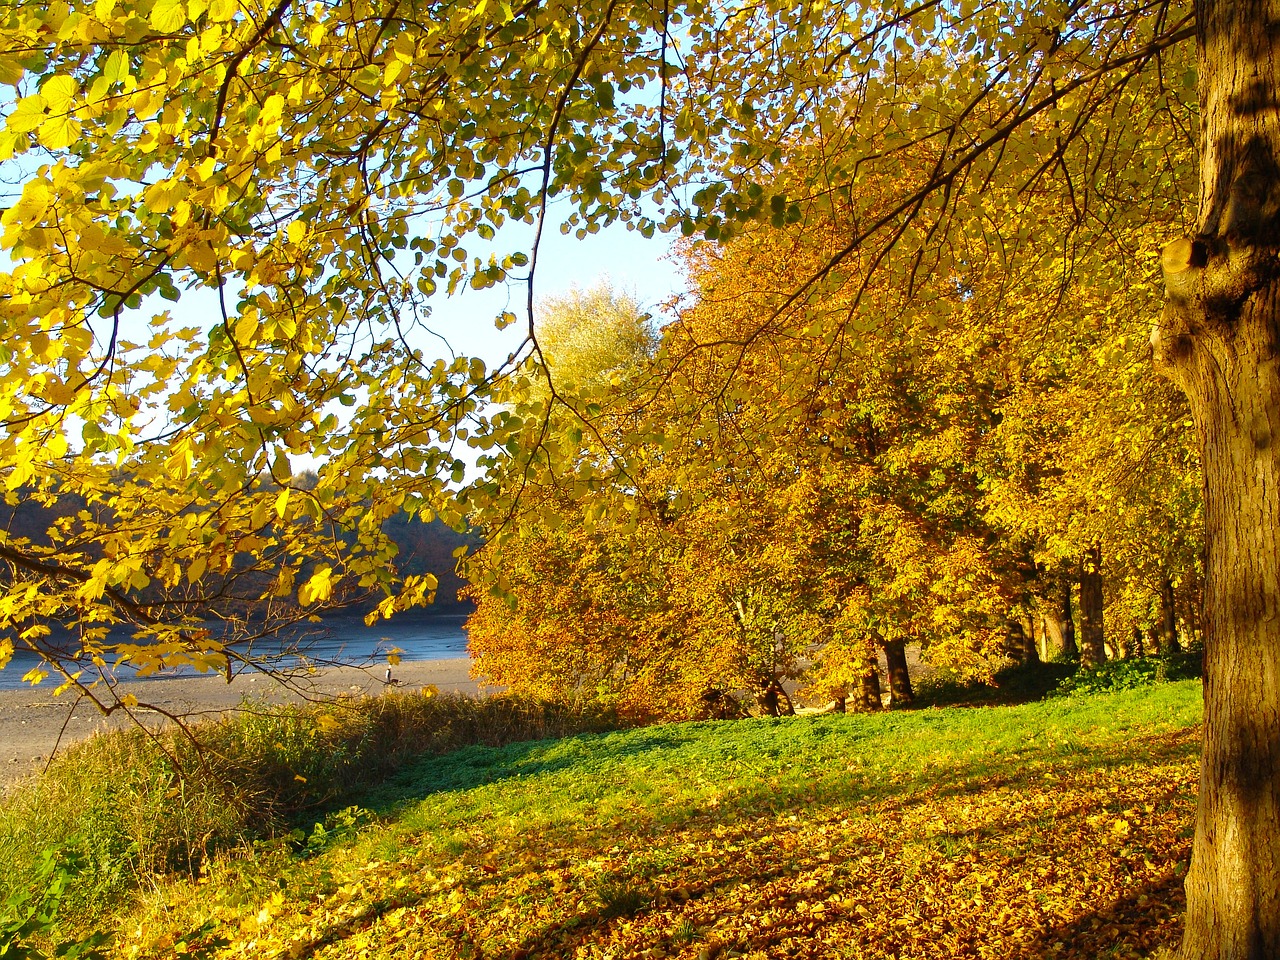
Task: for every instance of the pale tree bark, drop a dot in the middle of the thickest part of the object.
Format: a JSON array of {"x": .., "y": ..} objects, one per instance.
[
  {"x": 1218, "y": 339},
  {"x": 1092, "y": 633}
]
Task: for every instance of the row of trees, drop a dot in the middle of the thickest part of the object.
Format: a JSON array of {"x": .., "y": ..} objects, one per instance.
[{"x": 966, "y": 453}]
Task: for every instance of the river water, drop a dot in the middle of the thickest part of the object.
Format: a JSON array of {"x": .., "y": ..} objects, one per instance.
[{"x": 416, "y": 635}]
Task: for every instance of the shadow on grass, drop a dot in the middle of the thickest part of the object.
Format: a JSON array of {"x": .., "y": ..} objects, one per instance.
[
  {"x": 1141, "y": 920},
  {"x": 637, "y": 891},
  {"x": 943, "y": 774},
  {"x": 1032, "y": 682},
  {"x": 1147, "y": 916},
  {"x": 473, "y": 767},
  {"x": 1022, "y": 684}
]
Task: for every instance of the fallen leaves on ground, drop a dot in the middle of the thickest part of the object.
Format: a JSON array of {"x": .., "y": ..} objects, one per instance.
[{"x": 1043, "y": 860}]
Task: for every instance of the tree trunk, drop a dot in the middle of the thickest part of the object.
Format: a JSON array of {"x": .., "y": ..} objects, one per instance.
[
  {"x": 1218, "y": 338},
  {"x": 1136, "y": 648},
  {"x": 1069, "y": 649},
  {"x": 1168, "y": 619},
  {"x": 1092, "y": 635},
  {"x": 871, "y": 698},
  {"x": 769, "y": 702},
  {"x": 1020, "y": 642},
  {"x": 1030, "y": 652},
  {"x": 900, "y": 690},
  {"x": 1014, "y": 641},
  {"x": 774, "y": 701}
]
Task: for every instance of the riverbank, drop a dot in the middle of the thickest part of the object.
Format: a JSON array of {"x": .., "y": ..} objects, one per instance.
[{"x": 34, "y": 723}]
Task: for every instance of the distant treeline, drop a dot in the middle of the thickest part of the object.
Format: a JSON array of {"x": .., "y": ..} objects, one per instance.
[{"x": 422, "y": 547}]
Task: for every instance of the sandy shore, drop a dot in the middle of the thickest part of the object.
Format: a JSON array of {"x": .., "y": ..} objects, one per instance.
[{"x": 34, "y": 723}]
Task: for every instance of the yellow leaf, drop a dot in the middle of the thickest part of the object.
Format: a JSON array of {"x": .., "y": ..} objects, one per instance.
[
  {"x": 116, "y": 68},
  {"x": 58, "y": 132},
  {"x": 168, "y": 15},
  {"x": 10, "y": 71},
  {"x": 195, "y": 570},
  {"x": 59, "y": 93},
  {"x": 245, "y": 328},
  {"x": 318, "y": 588},
  {"x": 27, "y": 115},
  {"x": 32, "y": 205},
  {"x": 67, "y": 684}
]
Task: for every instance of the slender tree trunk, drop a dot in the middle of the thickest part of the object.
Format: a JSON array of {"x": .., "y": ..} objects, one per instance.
[
  {"x": 1069, "y": 649},
  {"x": 900, "y": 690},
  {"x": 1219, "y": 338},
  {"x": 1135, "y": 648},
  {"x": 1092, "y": 634},
  {"x": 1168, "y": 619}
]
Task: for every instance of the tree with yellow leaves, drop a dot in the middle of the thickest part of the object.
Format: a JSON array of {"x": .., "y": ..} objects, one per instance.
[{"x": 316, "y": 171}]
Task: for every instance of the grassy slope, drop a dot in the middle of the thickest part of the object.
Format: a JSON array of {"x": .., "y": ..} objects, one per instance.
[{"x": 1057, "y": 829}]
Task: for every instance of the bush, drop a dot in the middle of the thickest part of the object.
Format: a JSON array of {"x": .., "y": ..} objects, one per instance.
[{"x": 1131, "y": 674}]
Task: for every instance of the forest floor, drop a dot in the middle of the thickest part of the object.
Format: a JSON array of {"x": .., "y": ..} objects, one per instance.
[{"x": 1057, "y": 829}]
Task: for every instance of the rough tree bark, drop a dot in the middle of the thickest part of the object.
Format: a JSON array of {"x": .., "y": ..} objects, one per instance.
[
  {"x": 901, "y": 692},
  {"x": 1092, "y": 635},
  {"x": 1219, "y": 339}
]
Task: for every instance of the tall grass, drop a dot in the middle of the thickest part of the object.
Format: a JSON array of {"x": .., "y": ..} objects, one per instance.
[{"x": 130, "y": 807}]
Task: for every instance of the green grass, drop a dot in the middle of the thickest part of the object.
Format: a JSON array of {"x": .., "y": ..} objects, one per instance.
[
  {"x": 128, "y": 809},
  {"x": 1053, "y": 829}
]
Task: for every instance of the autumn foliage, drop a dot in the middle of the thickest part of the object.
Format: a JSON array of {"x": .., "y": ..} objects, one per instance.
[{"x": 791, "y": 484}]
